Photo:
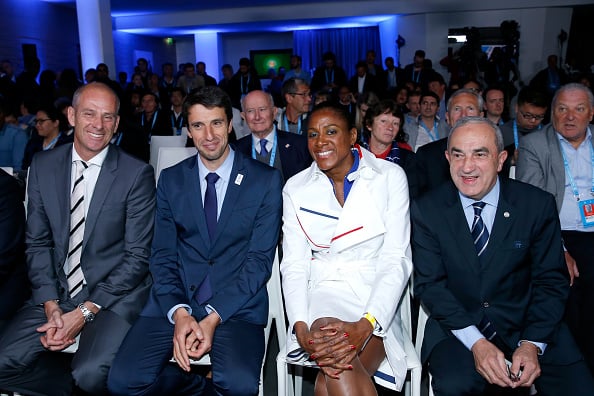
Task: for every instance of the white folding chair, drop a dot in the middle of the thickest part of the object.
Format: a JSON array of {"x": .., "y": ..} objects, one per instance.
[
  {"x": 169, "y": 156},
  {"x": 412, "y": 387},
  {"x": 7, "y": 169},
  {"x": 164, "y": 141},
  {"x": 423, "y": 316}
]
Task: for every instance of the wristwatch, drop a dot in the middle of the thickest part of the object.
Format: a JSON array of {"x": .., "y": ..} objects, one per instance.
[{"x": 88, "y": 315}]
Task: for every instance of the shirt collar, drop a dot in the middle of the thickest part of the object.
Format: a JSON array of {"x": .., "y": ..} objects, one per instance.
[
  {"x": 224, "y": 171},
  {"x": 269, "y": 137},
  {"x": 96, "y": 160},
  {"x": 492, "y": 197},
  {"x": 587, "y": 139}
]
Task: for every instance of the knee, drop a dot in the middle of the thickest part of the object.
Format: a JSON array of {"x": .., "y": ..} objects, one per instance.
[
  {"x": 90, "y": 378},
  {"x": 241, "y": 383},
  {"x": 455, "y": 385}
]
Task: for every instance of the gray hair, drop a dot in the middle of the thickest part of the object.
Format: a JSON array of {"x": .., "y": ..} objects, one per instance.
[
  {"x": 574, "y": 87},
  {"x": 268, "y": 96},
  {"x": 475, "y": 120},
  {"x": 461, "y": 91}
]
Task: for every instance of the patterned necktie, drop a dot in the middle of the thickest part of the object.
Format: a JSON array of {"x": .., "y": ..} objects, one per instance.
[
  {"x": 263, "y": 150},
  {"x": 479, "y": 232},
  {"x": 75, "y": 274}
]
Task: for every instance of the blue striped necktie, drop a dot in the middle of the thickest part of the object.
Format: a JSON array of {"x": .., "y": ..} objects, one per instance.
[{"x": 479, "y": 232}]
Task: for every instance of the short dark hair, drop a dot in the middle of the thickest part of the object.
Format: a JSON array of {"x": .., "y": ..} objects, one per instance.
[
  {"x": 227, "y": 66},
  {"x": 209, "y": 97},
  {"x": 435, "y": 76},
  {"x": 431, "y": 94},
  {"x": 329, "y": 56},
  {"x": 340, "y": 111},
  {"x": 420, "y": 53},
  {"x": 244, "y": 62},
  {"x": 177, "y": 89},
  {"x": 533, "y": 97},
  {"x": 150, "y": 93}
]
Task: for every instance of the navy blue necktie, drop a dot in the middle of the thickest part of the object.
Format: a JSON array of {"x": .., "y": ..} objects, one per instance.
[
  {"x": 210, "y": 212},
  {"x": 263, "y": 150},
  {"x": 210, "y": 204},
  {"x": 479, "y": 232}
]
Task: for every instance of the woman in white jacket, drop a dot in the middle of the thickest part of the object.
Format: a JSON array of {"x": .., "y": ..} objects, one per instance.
[{"x": 346, "y": 260}]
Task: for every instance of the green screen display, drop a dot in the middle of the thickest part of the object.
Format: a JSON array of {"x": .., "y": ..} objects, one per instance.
[{"x": 264, "y": 60}]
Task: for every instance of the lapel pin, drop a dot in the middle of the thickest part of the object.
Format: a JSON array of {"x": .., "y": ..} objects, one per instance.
[
  {"x": 506, "y": 214},
  {"x": 238, "y": 179},
  {"x": 287, "y": 145}
]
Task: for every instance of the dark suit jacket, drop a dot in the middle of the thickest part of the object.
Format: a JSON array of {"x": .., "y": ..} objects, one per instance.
[
  {"x": 14, "y": 285},
  {"x": 118, "y": 231},
  {"x": 433, "y": 168},
  {"x": 292, "y": 151},
  {"x": 521, "y": 282},
  {"x": 238, "y": 261},
  {"x": 370, "y": 84}
]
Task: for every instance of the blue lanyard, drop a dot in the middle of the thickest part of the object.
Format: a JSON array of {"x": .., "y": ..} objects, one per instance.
[
  {"x": 431, "y": 136},
  {"x": 576, "y": 192},
  {"x": 154, "y": 120},
  {"x": 119, "y": 139},
  {"x": 180, "y": 122},
  {"x": 516, "y": 138},
  {"x": 331, "y": 79},
  {"x": 52, "y": 143},
  {"x": 286, "y": 123},
  {"x": 272, "y": 153},
  {"x": 247, "y": 84}
]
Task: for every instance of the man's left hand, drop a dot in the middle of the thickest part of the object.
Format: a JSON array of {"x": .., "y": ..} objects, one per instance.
[{"x": 525, "y": 359}]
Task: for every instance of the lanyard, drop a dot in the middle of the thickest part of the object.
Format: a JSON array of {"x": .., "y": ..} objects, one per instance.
[
  {"x": 272, "y": 153},
  {"x": 52, "y": 143},
  {"x": 431, "y": 136},
  {"x": 516, "y": 138},
  {"x": 119, "y": 139},
  {"x": 331, "y": 79},
  {"x": 154, "y": 120},
  {"x": 574, "y": 188},
  {"x": 247, "y": 84},
  {"x": 286, "y": 123},
  {"x": 179, "y": 123}
]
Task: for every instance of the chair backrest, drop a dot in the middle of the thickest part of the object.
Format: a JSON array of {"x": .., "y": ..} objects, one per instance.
[
  {"x": 7, "y": 169},
  {"x": 169, "y": 156},
  {"x": 164, "y": 141}
]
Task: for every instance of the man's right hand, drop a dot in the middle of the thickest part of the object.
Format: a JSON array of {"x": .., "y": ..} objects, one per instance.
[
  {"x": 571, "y": 267},
  {"x": 53, "y": 314},
  {"x": 187, "y": 334},
  {"x": 490, "y": 363}
]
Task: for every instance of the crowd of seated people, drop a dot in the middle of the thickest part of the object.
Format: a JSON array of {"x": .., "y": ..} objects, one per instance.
[{"x": 404, "y": 116}]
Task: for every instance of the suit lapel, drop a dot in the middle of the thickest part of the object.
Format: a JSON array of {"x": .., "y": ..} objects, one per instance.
[
  {"x": 102, "y": 188},
  {"x": 504, "y": 222},
  {"x": 61, "y": 197},
  {"x": 238, "y": 173},
  {"x": 456, "y": 220}
]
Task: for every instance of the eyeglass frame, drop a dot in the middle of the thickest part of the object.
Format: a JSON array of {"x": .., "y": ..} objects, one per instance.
[
  {"x": 40, "y": 121},
  {"x": 530, "y": 116}
]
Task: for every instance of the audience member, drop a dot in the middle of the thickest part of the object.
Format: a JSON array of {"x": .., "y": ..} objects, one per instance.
[
  {"x": 293, "y": 118},
  {"x": 177, "y": 118},
  {"x": 225, "y": 82},
  {"x": 428, "y": 126},
  {"x": 296, "y": 71},
  {"x": 167, "y": 80},
  {"x": 393, "y": 76},
  {"x": 244, "y": 81},
  {"x": 436, "y": 83},
  {"x": 267, "y": 143},
  {"x": 494, "y": 98},
  {"x": 201, "y": 71},
  {"x": 348, "y": 102},
  {"x": 142, "y": 67},
  {"x": 328, "y": 76},
  {"x": 346, "y": 261},
  {"x": 12, "y": 141},
  {"x": 189, "y": 80},
  {"x": 94, "y": 282},
  {"x": 559, "y": 160},
  {"x": 51, "y": 127},
  {"x": 416, "y": 72},
  {"x": 551, "y": 78},
  {"x": 489, "y": 270},
  {"x": 362, "y": 81},
  {"x": 14, "y": 285},
  {"x": 216, "y": 231}
]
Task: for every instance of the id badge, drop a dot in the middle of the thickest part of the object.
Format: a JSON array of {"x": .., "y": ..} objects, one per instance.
[{"x": 587, "y": 212}]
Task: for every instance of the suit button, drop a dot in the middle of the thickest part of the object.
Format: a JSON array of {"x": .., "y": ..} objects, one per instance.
[
  {"x": 486, "y": 304},
  {"x": 192, "y": 287},
  {"x": 210, "y": 262}
]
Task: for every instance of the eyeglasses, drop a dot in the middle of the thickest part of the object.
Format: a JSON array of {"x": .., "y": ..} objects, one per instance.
[
  {"x": 533, "y": 117},
  {"x": 304, "y": 94},
  {"x": 41, "y": 121}
]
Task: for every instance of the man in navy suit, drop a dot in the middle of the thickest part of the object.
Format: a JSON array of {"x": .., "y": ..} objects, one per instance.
[
  {"x": 284, "y": 151},
  {"x": 489, "y": 269},
  {"x": 209, "y": 270}
]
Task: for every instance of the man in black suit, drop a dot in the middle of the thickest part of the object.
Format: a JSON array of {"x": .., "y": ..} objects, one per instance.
[
  {"x": 14, "y": 285},
  {"x": 489, "y": 269},
  {"x": 362, "y": 81},
  {"x": 283, "y": 150},
  {"x": 89, "y": 230}
]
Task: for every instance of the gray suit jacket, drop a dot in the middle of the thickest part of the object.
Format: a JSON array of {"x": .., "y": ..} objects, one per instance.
[
  {"x": 118, "y": 231},
  {"x": 540, "y": 162}
]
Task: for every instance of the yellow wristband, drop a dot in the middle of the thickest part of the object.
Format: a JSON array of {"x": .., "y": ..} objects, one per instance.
[{"x": 371, "y": 319}]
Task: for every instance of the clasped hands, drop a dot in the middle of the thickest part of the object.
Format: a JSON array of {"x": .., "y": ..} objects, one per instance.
[
  {"x": 490, "y": 363},
  {"x": 333, "y": 343},
  {"x": 61, "y": 329},
  {"x": 192, "y": 339}
]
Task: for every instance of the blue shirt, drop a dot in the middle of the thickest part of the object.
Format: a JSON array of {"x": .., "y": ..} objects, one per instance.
[{"x": 12, "y": 146}]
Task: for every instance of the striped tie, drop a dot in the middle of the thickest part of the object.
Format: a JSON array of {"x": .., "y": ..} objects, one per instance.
[
  {"x": 75, "y": 274},
  {"x": 480, "y": 234}
]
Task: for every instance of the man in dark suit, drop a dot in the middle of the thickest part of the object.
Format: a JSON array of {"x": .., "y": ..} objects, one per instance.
[
  {"x": 363, "y": 81},
  {"x": 89, "y": 228},
  {"x": 217, "y": 225},
  {"x": 489, "y": 269},
  {"x": 284, "y": 151},
  {"x": 14, "y": 285}
]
